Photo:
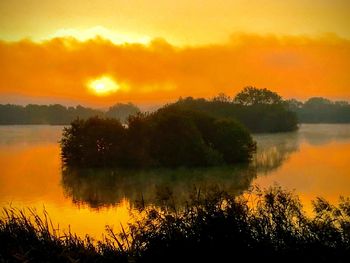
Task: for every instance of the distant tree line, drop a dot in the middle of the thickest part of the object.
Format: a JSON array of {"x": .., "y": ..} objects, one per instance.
[
  {"x": 59, "y": 115},
  {"x": 169, "y": 137},
  {"x": 260, "y": 110},
  {"x": 320, "y": 110}
]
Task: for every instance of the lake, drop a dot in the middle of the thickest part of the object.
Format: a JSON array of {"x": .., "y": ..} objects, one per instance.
[{"x": 314, "y": 161}]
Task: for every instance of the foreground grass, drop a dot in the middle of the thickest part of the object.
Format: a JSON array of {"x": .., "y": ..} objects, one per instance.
[
  {"x": 26, "y": 237},
  {"x": 214, "y": 226}
]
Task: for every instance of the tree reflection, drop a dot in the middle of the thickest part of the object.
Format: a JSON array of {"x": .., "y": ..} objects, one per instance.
[
  {"x": 274, "y": 150},
  {"x": 107, "y": 187},
  {"x": 100, "y": 187}
]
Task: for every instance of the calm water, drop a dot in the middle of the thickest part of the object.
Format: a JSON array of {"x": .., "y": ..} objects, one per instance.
[{"x": 315, "y": 161}]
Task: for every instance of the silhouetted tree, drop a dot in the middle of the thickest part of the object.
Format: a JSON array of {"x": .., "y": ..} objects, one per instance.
[
  {"x": 122, "y": 111},
  {"x": 259, "y": 110},
  {"x": 252, "y": 96},
  {"x": 93, "y": 142},
  {"x": 222, "y": 97}
]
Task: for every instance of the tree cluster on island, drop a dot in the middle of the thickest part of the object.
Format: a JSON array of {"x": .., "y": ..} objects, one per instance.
[
  {"x": 169, "y": 137},
  {"x": 188, "y": 133}
]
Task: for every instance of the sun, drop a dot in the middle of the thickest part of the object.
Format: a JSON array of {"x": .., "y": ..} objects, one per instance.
[{"x": 103, "y": 86}]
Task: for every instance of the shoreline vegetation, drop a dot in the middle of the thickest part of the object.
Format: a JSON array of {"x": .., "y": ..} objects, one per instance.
[{"x": 214, "y": 226}]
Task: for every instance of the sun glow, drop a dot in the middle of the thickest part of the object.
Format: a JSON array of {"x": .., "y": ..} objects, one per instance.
[{"x": 103, "y": 86}]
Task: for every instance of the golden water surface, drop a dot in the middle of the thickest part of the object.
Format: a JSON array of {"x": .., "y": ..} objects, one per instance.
[{"x": 315, "y": 161}]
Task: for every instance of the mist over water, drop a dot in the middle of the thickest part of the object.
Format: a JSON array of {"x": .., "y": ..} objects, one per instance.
[{"x": 314, "y": 161}]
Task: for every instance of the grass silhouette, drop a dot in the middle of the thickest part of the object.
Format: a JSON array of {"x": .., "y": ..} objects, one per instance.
[{"x": 266, "y": 225}]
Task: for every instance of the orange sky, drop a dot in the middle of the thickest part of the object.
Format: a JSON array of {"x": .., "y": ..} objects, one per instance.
[
  {"x": 156, "y": 51},
  {"x": 292, "y": 66},
  {"x": 179, "y": 22}
]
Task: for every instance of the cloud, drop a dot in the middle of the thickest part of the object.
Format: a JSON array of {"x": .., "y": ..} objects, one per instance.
[
  {"x": 294, "y": 66},
  {"x": 96, "y": 31}
]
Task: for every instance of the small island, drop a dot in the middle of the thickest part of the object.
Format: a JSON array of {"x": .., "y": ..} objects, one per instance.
[
  {"x": 169, "y": 137},
  {"x": 187, "y": 133}
]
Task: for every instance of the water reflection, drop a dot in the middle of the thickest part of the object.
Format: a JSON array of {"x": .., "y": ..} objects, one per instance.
[
  {"x": 314, "y": 161},
  {"x": 273, "y": 151},
  {"x": 29, "y": 135},
  {"x": 100, "y": 188},
  {"x": 321, "y": 134}
]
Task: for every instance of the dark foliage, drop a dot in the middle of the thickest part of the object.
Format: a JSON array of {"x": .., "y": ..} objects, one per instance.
[
  {"x": 265, "y": 226},
  {"x": 252, "y": 96},
  {"x": 321, "y": 110},
  {"x": 260, "y": 110},
  {"x": 93, "y": 142},
  {"x": 169, "y": 137},
  {"x": 59, "y": 115},
  {"x": 27, "y": 237}
]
